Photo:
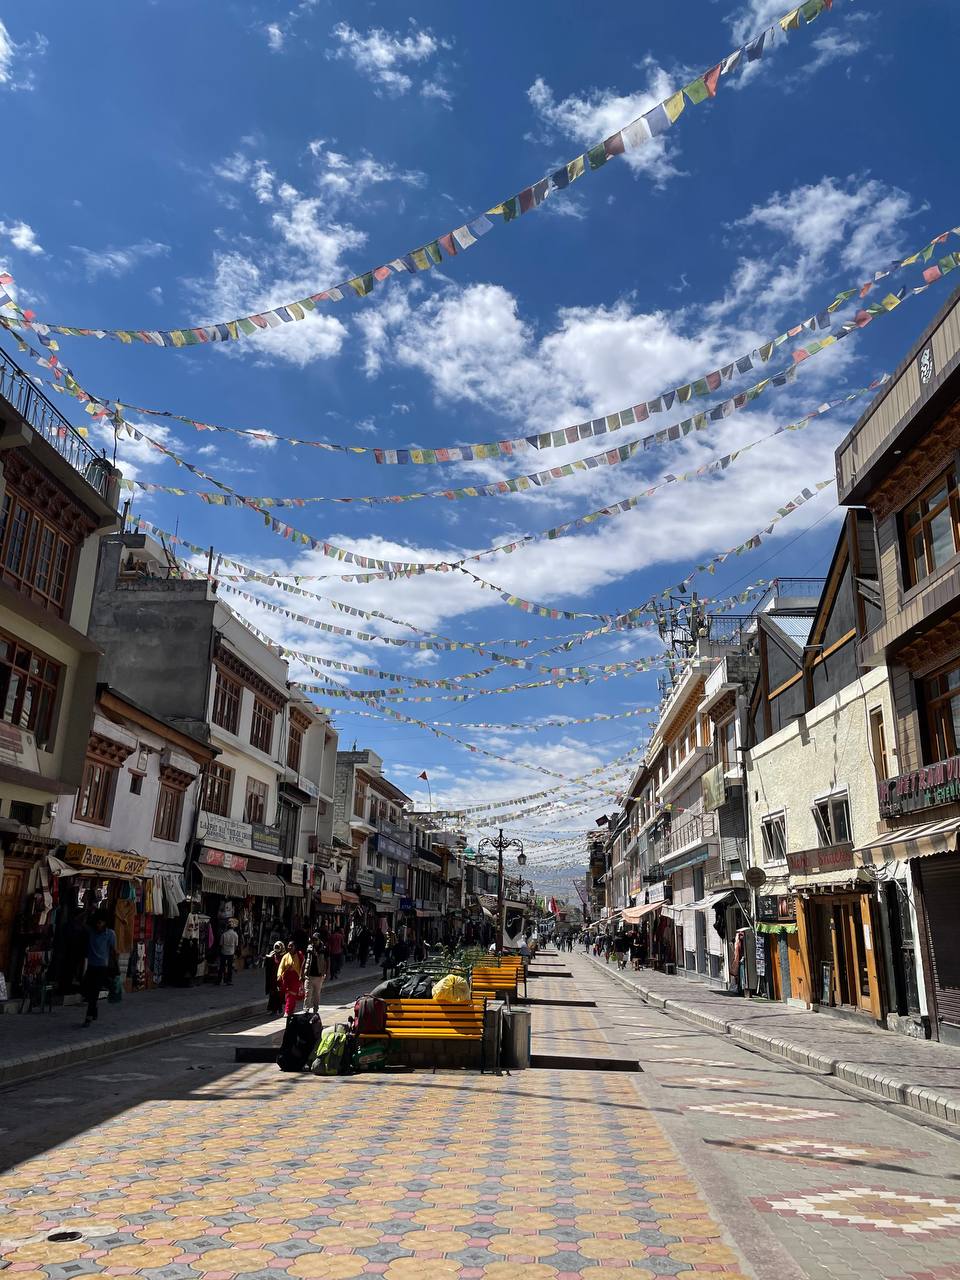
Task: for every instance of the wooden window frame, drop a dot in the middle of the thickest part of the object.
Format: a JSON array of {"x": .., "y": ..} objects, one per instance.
[
  {"x": 768, "y": 822},
  {"x": 227, "y": 700},
  {"x": 41, "y": 678},
  {"x": 294, "y": 747},
  {"x": 940, "y": 729},
  {"x": 169, "y": 815},
  {"x": 914, "y": 519},
  {"x": 878, "y": 742},
  {"x": 218, "y": 782},
  {"x": 35, "y": 556},
  {"x": 257, "y": 792},
  {"x": 826, "y": 824},
  {"x": 261, "y": 725},
  {"x": 94, "y": 801}
]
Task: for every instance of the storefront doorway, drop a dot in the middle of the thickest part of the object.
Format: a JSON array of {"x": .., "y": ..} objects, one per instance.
[
  {"x": 843, "y": 963},
  {"x": 939, "y": 877}
]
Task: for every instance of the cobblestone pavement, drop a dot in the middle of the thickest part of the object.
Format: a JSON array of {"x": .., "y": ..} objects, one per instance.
[{"x": 173, "y": 1163}]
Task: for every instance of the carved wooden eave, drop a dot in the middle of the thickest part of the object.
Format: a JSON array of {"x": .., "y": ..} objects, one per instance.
[
  {"x": 913, "y": 472},
  {"x": 47, "y": 495},
  {"x": 935, "y": 647},
  {"x": 722, "y": 708},
  {"x": 108, "y": 750},
  {"x": 174, "y": 777}
]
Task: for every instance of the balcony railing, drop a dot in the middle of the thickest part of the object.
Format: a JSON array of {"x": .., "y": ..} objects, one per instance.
[
  {"x": 48, "y": 422},
  {"x": 691, "y": 833}
]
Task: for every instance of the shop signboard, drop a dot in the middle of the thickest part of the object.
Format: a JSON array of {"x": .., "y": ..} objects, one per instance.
[
  {"x": 89, "y": 858},
  {"x": 714, "y": 787},
  {"x": 811, "y": 862},
  {"x": 220, "y": 858},
  {"x": 17, "y": 747},
  {"x": 211, "y": 826},
  {"x": 662, "y": 891},
  {"x": 923, "y": 788},
  {"x": 776, "y": 909},
  {"x": 265, "y": 839},
  {"x": 406, "y": 904}
]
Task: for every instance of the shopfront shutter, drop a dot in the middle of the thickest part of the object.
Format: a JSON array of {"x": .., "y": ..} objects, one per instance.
[{"x": 941, "y": 896}]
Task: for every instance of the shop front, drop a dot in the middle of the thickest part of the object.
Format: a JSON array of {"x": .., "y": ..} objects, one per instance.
[
  {"x": 837, "y": 930},
  {"x": 776, "y": 925}
]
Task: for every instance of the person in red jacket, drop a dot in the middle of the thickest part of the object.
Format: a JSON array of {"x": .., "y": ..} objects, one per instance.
[
  {"x": 289, "y": 977},
  {"x": 335, "y": 951}
]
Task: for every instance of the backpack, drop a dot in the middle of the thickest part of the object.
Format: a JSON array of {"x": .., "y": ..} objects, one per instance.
[
  {"x": 370, "y": 1016},
  {"x": 300, "y": 1037},
  {"x": 417, "y": 987},
  {"x": 370, "y": 1055},
  {"x": 390, "y": 989},
  {"x": 329, "y": 1056}
]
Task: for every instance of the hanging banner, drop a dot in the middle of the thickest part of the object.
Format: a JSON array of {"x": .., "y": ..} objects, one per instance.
[{"x": 652, "y": 124}]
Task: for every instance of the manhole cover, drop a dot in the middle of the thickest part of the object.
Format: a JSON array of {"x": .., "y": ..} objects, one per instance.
[{"x": 63, "y": 1237}]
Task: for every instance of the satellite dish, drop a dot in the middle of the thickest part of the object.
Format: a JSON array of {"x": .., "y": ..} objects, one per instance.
[{"x": 755, "y": 877}]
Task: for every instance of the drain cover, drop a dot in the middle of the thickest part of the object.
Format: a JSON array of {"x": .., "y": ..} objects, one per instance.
[{"x": 62, "y": 1237}]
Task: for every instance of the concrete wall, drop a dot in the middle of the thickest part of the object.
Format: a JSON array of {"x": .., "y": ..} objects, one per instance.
[{"x": 827, "y": 751}]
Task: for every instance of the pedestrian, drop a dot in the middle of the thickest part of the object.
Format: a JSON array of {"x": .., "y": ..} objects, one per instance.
[
  {"x": 363, "y": 946},
  {"x": 229, "y": 941},
  {"x": 335, "y": 944},
  {"x": 388, "y": 959},
  {"x": 290, "y": 976},
  {"x": 636, "y": 951},
  {"x": 271, "y": 986},
  {"x": 102, "y": 964},
  {"x": 621, "y": 945},
  {"x": 315, "y": 973},
  {"x": 378, "y": 944},
  {"x": 524, "y": 949}
]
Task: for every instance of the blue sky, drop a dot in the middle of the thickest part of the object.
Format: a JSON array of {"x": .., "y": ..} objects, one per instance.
[{"x": 174, "y": 163}]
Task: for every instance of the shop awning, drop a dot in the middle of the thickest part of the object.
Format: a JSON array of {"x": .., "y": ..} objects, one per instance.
[
  {"x": 262, "y": 885},
  {"x": 221, "y": 880},
  {"x": 292, "y": 890},
  {"x": 708, "y": 901},
  {"x": 633, "y": 915},
  {"x": 910, "y": 842},
  {"x": 330, "y": 899},
  {"x": 350, "y": 897}
]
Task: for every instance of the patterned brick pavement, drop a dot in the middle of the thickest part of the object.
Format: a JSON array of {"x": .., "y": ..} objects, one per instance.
[{"x": 177, "y": 1164}]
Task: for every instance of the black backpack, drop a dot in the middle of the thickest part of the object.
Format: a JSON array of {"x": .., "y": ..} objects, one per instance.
[{"x": 300, "y": 1037}]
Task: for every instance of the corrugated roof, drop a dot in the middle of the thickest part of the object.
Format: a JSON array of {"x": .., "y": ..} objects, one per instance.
[{"x": 796, "y": 626}]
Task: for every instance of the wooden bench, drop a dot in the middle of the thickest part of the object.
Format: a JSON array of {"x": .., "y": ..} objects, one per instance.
[
  {"x": 457, "y": 1027},
  {"x": 489, "y": 979}
]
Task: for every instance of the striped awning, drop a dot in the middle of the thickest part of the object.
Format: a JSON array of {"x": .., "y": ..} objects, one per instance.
[
  {"x": 222, "y": 880},
  {"x": 262, "y": 885},
  {"x": 633, "y": 915},
  {"x": 910, "y": 842},
  {"x": 292, "y": 890}
]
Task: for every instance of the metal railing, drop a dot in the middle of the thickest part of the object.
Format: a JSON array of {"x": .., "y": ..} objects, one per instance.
[
  {"x": 799, "y": 586},
  {"x": 47, "y": 420},
  {"x": 692, "y": 832}
]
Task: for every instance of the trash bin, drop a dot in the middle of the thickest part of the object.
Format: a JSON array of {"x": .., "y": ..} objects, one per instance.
[{"x": 515, "y": 1038}]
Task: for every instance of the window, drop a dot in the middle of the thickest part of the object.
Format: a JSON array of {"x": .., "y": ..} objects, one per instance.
[
  {"x": 261, "y": 730},
  {"x": 294, "y": 748},
  {"x": 136, "y": 784},
  {"x": 931, "y": 528},
  {"x": 255, "y": 807},
  {"x": 878, "y": 743},
  {"x": 217, "y": 789},
  {"x": 34, "y": 556},
  {"x": 226, "y": 702},
  {"x": 727, "y": 740},
  {"x": 832, "y": 817},
  {"x": 289, "y": 830},
  {"x": 943, "y": 711},
  {"x": 169, "y": 810},
  {"x": 29, "y": 684},
  {"x": 96, "y": 793},
  {"x": 360, "y": 799},
  {"x": 773, "y": 832}
]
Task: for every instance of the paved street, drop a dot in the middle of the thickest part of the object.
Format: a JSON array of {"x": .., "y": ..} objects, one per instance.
[{"x": 172, "y": 1162}]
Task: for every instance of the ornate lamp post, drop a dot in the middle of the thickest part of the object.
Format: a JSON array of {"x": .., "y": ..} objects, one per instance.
[{"x": 499, "y": 843}]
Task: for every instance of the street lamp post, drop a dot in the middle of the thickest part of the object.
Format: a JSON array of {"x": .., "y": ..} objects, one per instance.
[{"x": 500, "y": 844}]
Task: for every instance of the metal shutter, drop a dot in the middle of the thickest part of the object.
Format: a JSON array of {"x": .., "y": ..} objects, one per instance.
[{"x": 941, "y": 897}]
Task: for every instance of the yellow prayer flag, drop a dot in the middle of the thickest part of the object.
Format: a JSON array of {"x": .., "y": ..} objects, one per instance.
[
  {"x": 575, "y": 169},
  {"x": 674, "y": 106}
]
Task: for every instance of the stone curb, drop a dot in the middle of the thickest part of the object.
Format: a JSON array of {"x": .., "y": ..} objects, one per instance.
[
  {"x": 915, "y": 1097},
  {"x": 33, "y": 1065}
]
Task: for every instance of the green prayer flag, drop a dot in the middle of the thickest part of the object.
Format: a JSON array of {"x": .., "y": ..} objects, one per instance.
[
  {"x": 597, "y": 156},
  {"x": 433, "y": 249},
  {"x": 696, "y": 90}
]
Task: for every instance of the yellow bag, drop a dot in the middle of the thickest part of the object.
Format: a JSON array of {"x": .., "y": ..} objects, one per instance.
[{"x": 452, "y": 990}]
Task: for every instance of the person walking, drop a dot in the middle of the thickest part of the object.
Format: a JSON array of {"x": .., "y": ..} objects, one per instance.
[
  {"x": 335, "y": 945},
  {"x": 290, "y": 977},
  {"x": 388, "y": 958},
  {"x": 229, "y": 941},
  {"x": 102, "y": 964},
  {"x": 271, "y": 986},
  {"x": 379, "y": 942},
  {"x": 315, "y": 973},
  {"x": 363, "y": 946}
]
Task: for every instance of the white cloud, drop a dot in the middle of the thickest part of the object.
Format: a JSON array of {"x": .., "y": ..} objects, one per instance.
[
  {"x": 345, "y": 177},
  {"x": 276, "y": 36},
  {"x": 833, "y": 46},
  {"x": 601, "y": 112},
  {"x": 380, "y": 55},
  {"x": 22, "y": 236},
  {"x": 15, "y": 59},
  {"x": 118, "y": 261},
  {"x": 754, "y": 17},
  {"x": 235, "y": 168}
]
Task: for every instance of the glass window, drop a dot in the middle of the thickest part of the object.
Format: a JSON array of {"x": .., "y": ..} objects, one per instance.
[
  {"x": 96, "y": 793},
  {"x": 832, "y": 817},
  {"x": 294, "y": 748},
  {"x": 226, "y": 702},
  {"x": 34, "y": 556},
  {"x": 261, "y": 728},
  {"x": 727, "y": 737},
  {"x": 931, "y": 528},
  {"x": 29, "y": 684},
  {"x": 942, "y": 696},
  {"x": 878, "y": 742},
  {"x": 169, "y": 811},
  {"x": 773, "y": 832},
  {"x": 255, "y": 806},
  {"x": 217, "y": 790}
]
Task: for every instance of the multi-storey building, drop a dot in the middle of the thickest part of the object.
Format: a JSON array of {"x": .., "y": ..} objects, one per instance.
[
  {"x": 369, "y": 817},
  {"x": 57, "y": 497},
  {"x": 175, "y": 647},
  {"x": 901, "y": 462}
]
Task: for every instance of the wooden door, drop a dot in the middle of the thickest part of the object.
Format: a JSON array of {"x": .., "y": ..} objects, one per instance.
[
  {"x": 871, "y": 995},
  {"x": 12, "y": 888}
]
